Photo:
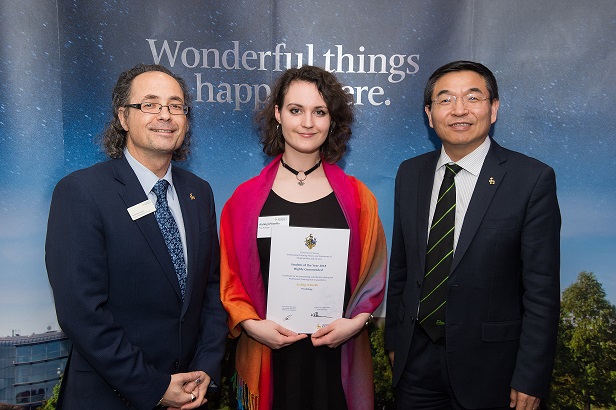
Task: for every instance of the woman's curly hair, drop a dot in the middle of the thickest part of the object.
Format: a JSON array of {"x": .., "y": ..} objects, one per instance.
[{"x": 339, "y": 104}]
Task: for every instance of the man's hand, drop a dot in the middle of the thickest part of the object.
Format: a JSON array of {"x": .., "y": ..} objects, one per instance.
[
  {"x": 186, "y": 390},
  {"x": 522, "y": 401},
  {"x": 271, "y": 334}
]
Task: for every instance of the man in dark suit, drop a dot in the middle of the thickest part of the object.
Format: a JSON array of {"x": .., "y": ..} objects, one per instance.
[
  {"x": 490, "y": 342},
  {"x": 135, "y": 270}
]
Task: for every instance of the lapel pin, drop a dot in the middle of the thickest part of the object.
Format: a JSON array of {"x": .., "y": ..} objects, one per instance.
[
  {"x": 492, "y": 181},
  {"x": 192, "y": 197}
]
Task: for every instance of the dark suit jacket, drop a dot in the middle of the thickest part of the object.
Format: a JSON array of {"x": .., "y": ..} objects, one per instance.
[
  {"x": 116, "y": 292},
  {"x": 503, "y": 292}
]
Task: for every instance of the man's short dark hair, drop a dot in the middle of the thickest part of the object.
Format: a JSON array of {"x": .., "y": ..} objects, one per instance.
[{"x": 457, "y": 66}]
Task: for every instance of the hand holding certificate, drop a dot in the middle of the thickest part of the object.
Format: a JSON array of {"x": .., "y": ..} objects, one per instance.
[
  {"x": 307, "y": 277},
  {"x": 270, "y": 333}
]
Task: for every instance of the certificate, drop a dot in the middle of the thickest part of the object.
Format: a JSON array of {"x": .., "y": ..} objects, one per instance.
[{"x": 307, "y": 277}]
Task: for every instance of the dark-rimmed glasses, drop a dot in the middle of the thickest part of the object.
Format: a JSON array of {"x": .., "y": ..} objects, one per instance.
[{"x": 156, "y": 108}]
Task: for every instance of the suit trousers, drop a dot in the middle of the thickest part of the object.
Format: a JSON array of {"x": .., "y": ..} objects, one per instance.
[{"x": 425, "y": 384}]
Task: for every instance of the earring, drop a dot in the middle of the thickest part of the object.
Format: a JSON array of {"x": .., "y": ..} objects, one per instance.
[{"x": 278, "y": 130}]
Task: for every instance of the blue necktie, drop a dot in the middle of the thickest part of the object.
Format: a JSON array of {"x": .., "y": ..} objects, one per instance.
[{"x": 170, "y": 231}]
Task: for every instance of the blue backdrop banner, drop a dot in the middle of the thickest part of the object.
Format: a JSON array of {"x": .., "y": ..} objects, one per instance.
[{"x": 59, "y": 60}]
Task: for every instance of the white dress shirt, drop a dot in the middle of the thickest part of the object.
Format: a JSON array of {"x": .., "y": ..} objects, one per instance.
[
  {"x": 466, "y": 180},
  {"x": 148, "y": 179}
]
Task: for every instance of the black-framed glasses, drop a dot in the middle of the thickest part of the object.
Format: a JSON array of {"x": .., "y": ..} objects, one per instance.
[
  {"x": 448, "y": 101},
  {"x": 156, "y": 108}
]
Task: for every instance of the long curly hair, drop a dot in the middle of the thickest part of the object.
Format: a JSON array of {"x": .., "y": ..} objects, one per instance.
[
  {"x": 339, "y": 104},
  {"x": 113, "y": 138}
]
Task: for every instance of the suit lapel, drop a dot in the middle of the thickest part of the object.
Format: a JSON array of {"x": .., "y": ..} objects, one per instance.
[
  {"x": 424, "y": 194},
  {"x": 190, "y": 210},
  {"x": 132, "y": 194},
  {"x": 492, "y": 170}
]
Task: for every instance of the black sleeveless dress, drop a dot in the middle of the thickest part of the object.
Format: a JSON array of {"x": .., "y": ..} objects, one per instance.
[{"x": 305, "y": 377}]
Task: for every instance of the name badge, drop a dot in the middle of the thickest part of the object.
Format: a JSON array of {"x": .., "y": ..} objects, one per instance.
[
  {"x": 266, "y": 223},
  {"x": 142, "y": 209}
]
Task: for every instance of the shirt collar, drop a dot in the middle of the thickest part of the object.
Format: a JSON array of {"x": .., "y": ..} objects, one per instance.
[
  {"x": 147, "y": 178},
  {"x": 472, "y": 162}
]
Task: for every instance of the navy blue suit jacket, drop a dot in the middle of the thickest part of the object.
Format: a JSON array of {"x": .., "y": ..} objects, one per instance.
[
  {"x": 116, "y": 292},
  {"x": 503, "y": 293}
]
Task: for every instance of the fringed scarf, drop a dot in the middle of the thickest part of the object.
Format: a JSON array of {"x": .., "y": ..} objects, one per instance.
[{"x": 243, "y": 292}]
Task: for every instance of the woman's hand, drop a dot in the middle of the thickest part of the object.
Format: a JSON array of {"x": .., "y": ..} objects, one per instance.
[
  {"x": 339, "y": 331},
  {"x": 271, "y": 334}
]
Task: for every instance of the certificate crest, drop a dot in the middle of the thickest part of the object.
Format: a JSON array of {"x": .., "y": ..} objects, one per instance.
[{"x": 310, "y": 241}]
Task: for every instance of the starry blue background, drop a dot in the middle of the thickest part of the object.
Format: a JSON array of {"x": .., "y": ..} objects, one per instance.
[{"x": 59, "y": 60}]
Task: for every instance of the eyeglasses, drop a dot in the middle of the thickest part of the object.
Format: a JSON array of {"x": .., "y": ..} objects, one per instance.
[
  {"x": 156, "y": 108},
  {"x": 469, "y": 100}
]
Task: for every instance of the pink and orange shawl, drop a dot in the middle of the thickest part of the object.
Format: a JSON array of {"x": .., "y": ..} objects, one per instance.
[{"x": 243, "y": 294}]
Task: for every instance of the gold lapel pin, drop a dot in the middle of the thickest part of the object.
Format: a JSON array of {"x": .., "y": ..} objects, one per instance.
[
  {"x": 192, "y": 197},
  {"x": 492, "y": 181}
]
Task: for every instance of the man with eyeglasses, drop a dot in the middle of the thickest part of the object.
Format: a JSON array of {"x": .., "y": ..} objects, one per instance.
[
  {"x": 473, "y": 294},
  {"x": 132, "y": 255}
]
